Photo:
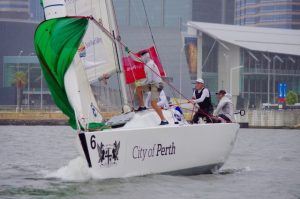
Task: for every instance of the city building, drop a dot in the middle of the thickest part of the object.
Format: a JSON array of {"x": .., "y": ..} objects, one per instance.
[
  {"x": 35, "y": 92},
  {"x": 207, "y": 11},
  {"x": 167, "y": 19},
  {"x": 249, "y": 62},
  {"x": 268, "y": 13},
  {"x": 14, "y": 9}
]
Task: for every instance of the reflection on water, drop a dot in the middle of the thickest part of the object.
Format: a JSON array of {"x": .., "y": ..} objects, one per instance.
[{"x": 42, "y": 162}]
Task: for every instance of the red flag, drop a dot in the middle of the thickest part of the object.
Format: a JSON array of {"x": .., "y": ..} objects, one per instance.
[{"x": 134, "y": 70}]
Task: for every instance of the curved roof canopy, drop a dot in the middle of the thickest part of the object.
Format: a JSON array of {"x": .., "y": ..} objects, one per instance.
[{"x": 274, "y": 40}]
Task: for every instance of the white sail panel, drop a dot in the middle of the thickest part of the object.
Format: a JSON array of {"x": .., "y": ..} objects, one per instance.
[
  {"x": 80, "y": 94},
  {"x": 97, "y": 50}
]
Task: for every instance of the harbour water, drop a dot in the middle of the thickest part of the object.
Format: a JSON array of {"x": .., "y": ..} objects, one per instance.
[{"x": 42, "y": 162}]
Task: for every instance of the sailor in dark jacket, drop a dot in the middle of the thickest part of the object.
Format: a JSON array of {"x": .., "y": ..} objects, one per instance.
[{"x": 202, "y": 97}]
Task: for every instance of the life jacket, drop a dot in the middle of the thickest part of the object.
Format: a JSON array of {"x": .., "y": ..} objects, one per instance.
[{"x": 206, "y": 105}]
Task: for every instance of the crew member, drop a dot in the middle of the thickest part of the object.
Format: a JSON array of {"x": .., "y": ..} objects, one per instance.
[
  {"x": 202, "y": 97},
  {"x": 224, "y": 109},
  {"x": 163, "y": 100},
  {"x": 152, "y": 83}
]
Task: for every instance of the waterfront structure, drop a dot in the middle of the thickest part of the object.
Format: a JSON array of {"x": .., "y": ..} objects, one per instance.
[
  {"x": 249, "y": 62},
  {"x": 268, "y": 13},
  {"x": 35, "y": 92}
]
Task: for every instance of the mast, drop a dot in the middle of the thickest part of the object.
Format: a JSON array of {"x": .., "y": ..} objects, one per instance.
[{"x": 115, "y": 32}]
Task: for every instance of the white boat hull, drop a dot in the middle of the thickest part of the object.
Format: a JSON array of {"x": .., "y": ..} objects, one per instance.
[{"x": 173, "y": 149}]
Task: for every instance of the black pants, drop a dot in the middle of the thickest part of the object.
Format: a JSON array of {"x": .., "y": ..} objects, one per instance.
[
  {"x": 225, "y": 118},
  {"x": 203, "y": 114}
]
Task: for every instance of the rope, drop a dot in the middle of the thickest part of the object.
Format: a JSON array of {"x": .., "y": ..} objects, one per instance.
[
  {"x": 149, "y": 26},
  {"x": 155, "y": 46},
  {"x": 129, "y": 51}
]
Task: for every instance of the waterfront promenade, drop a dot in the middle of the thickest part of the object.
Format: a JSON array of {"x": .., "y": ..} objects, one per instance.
[{"x": 254, "y": 118}]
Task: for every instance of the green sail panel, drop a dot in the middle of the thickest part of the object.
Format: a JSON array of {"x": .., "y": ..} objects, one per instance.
[{"x": 56, "y": 43}]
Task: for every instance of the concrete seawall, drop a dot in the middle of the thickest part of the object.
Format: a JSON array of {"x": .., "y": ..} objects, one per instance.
[
  {"x": 271, "y": 118},
  {"x": 255, "y": 118},
  {"x": 39, "y": 118}
]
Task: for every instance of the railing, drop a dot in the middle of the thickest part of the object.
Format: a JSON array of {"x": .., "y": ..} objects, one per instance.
[
  {"x": 26, "y": 108},
  {"x": 50, "y": 108},
  {"x": 272, "y": 72}
]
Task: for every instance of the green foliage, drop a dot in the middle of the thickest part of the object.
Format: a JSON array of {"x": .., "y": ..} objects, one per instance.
[
  {"x": 291, "y": 98},
  {"x": 20, "y": 79}
]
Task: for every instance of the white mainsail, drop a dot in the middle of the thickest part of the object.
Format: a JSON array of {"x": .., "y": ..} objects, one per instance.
[
  {"x": 96, "y": 57},
  {"x": 97, "y": 50}
]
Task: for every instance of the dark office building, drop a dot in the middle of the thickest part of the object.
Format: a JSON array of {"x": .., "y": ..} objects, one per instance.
[{"x": 213, "y": 11}]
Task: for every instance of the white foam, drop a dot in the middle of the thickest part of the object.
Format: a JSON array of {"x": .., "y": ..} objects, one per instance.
[{"x": 76, "y": 170}]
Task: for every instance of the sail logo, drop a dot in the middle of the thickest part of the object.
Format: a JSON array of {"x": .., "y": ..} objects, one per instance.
[
  {"x": 93, "y": 42},
  {"x": 108, "y": 154},
  {"x": 82, "y": 50}
]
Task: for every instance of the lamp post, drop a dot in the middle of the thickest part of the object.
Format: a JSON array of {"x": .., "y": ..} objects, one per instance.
[
  {"x": 28, "y": 84},
  {"x": 231, "y": 74},
  {"x": 269, "y": 66},
  {"x": 274, "y": 90},
  {"x": 19, "y": 55}
]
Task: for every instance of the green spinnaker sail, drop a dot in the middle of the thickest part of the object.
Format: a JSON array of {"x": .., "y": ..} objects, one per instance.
[{"x": 56, "y": 43}]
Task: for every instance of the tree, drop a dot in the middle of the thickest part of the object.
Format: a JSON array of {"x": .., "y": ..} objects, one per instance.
[
  {"x": 20, "y": 80},
  {"x": 291, "y": 98}
]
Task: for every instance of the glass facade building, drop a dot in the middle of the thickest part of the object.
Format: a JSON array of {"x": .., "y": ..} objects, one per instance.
[
  {"x": 268, "y": 13},
  {"x": 258, "y": 74},
  {"x": 35, "y": 92}
]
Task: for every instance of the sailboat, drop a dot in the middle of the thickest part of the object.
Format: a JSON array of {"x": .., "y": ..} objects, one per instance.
[{"x": 78, "y": 44}]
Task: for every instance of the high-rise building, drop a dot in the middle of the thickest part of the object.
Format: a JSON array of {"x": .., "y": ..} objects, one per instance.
[
  {"x": 213, "y": 11},
  {"x": 268, "y": 13},
  {"x": 14, "y": 9}
]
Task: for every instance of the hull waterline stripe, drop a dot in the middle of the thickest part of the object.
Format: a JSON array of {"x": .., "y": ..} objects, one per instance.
[{"x": 85, "y": 148}]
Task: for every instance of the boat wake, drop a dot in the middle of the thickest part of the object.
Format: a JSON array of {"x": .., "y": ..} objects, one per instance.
[
  {"x": 232, "y": 171},
  {"x": 75, "y": 171}
]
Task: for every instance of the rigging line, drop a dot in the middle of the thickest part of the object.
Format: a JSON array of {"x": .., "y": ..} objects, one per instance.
[
  {"x": 113, "y": 25},
  {"x": 153, "y": 40},
  {"x": 210, "y": 51},
  {"x": 149, "y": 26},
  {"x": 129, "y": 51},
  {"x": 139, "y": 19}
]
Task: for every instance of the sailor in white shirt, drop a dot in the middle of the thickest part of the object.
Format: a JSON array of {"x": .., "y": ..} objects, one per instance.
[
  {"x": 202, "y": 97},
  {"x": 224, "y": 110},
  {"x": 163, "y": 101},
  {"x": 152, "y": 83}
]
